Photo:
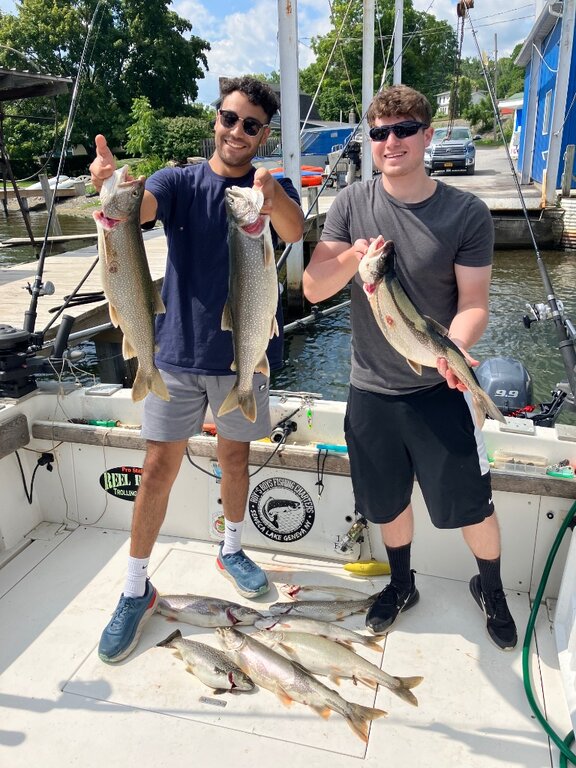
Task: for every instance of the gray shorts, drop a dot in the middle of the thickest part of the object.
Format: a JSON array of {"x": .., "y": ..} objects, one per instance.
[{"x": 190, "y": 395}]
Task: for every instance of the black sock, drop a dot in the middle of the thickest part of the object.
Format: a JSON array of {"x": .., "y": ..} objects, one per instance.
[
  {"x": 399, "y": 559},
  {"x": 490, "y": 578}
]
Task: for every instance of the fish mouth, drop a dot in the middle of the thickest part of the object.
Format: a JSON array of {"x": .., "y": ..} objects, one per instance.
[
  {"x": 255, "y": 228},
  {"x": 369, "y": 288},
  {"x": 105, "y": 221}
]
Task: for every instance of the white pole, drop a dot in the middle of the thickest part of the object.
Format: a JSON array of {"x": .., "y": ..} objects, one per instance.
[
  {"x": 367, "y": 83},
  {"x": 398, "y": 34},
  {"x": 290, "y": 122}
]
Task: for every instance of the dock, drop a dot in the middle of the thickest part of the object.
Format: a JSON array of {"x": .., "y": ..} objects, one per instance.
[{"x": 65, "y": 271}]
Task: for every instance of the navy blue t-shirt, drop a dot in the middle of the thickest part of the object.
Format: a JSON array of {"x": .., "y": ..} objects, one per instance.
[{"x": 192, "y": 210}]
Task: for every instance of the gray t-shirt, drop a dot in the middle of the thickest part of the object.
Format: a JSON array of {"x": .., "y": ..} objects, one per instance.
[{"x": 450, "y": 227}]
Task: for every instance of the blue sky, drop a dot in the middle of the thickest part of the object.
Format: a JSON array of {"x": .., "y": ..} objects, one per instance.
[{"x": 243, "y": 33}]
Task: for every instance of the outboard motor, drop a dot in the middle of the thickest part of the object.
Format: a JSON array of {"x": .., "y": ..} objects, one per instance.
[
  {"x": 16, "y": 377},
  {"x": 507, "y": 382}
]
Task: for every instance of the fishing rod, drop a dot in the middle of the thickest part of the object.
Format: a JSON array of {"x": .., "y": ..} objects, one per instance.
[
  {"x": 36, "y": 289},
  {"x": 566, "y": 341}
]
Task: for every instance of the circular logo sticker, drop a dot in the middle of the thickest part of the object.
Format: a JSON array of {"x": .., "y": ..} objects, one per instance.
[{"x": 281, "y": 509}]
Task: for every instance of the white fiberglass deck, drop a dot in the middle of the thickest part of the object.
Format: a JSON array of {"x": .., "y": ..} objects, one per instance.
[{"x": 60, "y": 706}]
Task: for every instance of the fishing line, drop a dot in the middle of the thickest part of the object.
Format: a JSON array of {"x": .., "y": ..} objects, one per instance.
[{"x": 30, "y": 314}]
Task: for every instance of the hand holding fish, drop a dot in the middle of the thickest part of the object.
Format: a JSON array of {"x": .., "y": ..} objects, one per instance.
[
  {"x": 265, "y": 182},
  {"x": 103, "y": 165},
  {"x": 450, "y": 375}
]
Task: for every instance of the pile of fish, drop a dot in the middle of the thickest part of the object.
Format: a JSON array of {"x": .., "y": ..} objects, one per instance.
[{"x": 292, "y": 643}]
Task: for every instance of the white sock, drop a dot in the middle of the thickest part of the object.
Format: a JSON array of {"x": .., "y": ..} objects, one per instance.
[
  {"x": 136, "y": 577},
  {"x": 232, "y": 536}
]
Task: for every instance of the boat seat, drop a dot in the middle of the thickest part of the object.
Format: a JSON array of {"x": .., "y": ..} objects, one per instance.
[{"x": 14, "y": 434}]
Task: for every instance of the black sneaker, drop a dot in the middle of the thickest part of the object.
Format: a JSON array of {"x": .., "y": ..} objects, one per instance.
[
  {"x": 389, "y": 604},
  {"x": 499, "y": 621}
]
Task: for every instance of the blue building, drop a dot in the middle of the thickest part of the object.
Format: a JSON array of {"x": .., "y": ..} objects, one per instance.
[{"x": 549, "y": 104}]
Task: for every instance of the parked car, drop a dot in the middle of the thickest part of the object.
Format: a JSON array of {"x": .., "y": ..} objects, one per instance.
[{"x": 452, "y": 150}]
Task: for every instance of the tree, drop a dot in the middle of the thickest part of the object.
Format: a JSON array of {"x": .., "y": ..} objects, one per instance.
[
  {"x": 135, "y": 48},
  {"x": 427, "y": 65}
]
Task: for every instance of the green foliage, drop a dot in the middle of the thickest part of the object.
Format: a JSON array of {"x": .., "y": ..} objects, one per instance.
[
  {"x": 137, "y": 48},
  {"x": 481, "y": 115},
  {"x": 147, "y": 166},
  {"x": 144, "y": 131},
  {"x": 428, "y": 59}
]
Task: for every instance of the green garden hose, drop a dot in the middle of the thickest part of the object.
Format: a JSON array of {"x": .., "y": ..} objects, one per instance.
[{"x": 563, "y": 745}]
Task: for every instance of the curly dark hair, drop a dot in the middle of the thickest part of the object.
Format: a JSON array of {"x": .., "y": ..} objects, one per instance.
[
  {"x": 399, "y": 100},
  {"x": 257, "y": 92}
]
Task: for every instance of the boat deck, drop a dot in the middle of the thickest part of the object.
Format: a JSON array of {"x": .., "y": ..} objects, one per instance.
[{"x": 63, "y": 706}]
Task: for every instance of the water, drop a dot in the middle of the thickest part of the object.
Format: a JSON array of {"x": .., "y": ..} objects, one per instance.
[
  {"x": 13, "y": 226},
  {"x": 318, "y": 357}
]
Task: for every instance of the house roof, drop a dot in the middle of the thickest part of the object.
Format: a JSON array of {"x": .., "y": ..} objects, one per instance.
[
  {"x": 25, "y": 85},
  {"x": 542, "y": 27},
  {"x": 516, "y": 101}
]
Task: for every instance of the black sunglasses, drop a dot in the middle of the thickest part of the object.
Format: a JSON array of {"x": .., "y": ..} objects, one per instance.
[
  {"x": 250, "y": 125},
  {"x": 400, "y": 130}
]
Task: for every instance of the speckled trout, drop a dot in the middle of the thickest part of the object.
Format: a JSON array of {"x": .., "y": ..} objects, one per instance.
[
  {"x": 250, "y": 309},
  {"x": 323, "y": 610},
  {"x": 132, "y": 296},
  {"x": 291, "y": 682},
  {"x": 211, "y": 666},
  {"x": 322, "y": 656},
  {"x": 204, "y": 611},
  {"x": 417, "y": 337}
]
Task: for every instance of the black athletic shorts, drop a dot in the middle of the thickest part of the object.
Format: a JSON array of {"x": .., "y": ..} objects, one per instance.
[{"x": 428, "y": 435}]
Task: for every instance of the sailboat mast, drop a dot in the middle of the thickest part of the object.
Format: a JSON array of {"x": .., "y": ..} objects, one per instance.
[
  {"x": 398, "y": 34},
  {"x": 367, "y": 83}
]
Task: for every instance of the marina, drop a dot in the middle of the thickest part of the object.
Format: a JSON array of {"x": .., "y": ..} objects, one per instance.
[{"x": 71, "y": 462}]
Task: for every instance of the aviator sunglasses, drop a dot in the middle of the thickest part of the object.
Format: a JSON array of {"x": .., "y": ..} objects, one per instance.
[
  {"x": 250, "y": 125},
  {"x": 400, "y": 130}
]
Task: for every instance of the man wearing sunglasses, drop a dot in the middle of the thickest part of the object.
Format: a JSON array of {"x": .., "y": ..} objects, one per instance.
[
  {"x": 194, "y": 353},
  {"x": 399, "y": 425}
]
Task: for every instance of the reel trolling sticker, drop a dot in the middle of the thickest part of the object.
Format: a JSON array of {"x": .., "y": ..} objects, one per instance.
[
  {"x": 281, "y": 509},
  {"x": 122, "y": 482}
]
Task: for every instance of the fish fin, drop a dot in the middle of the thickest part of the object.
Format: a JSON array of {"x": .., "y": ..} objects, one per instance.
[
  {"x": 324, "y": 712},
  {"x": 247, "y": 405},
  {"x": 284, "y": 697},
  {"x": 113, "y": 312},
  {"x": 268, "y": 250},
  {"x": 128, "y": 351},
  {"x": 159, "y": 308},
  {"x": 403, "y": 690},
  {"x": 345, "y": 643},
  {"x": 274, "y": 330},
  {"x": 233, "y": 366},
  {"x": 140, "y": 386},
  {"x": 336, "y": 679},
  {"x": 369, "y": 681},
  {"x": 436, "y": 325},
  {"x": 479, "y": 412},
  {"x": 166, "y": 642},
  {"x": 263, "y": 366},
  {"x": 230, "y": 403},
  {"x": 358, "y": 717},
  {"x": 373, "y": 645},
  {"x": 157, "y": 385},
  {"x": 488, "y": 406},
  {"x": 416, "y": 367},
  {"x": 226, "y": 323}
]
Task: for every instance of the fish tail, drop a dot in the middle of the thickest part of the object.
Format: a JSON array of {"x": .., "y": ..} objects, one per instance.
[
  {"x": 231, "y": 401},
  {"x": 358, "y": 717},
  {"x": 403, "y": 691},
  {"x": 157, "y": 385},
  {"x": 247, "y": 405},
  {"x": 486, "y": 404},
  {"x": 152, "y": 382},
  {"x": 167, "y": 642}
]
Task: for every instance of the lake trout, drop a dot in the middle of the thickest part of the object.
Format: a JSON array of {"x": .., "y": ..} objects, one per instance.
[
  {"x": 291, "y": 682},
  {"x": 204, "y": 611},
  {"x": 132, "y": 296},
  {"x": 417, "y": 337},
  {"x": 323, "y": 610},
  {"x": 320, "y": 592},
  {"x": 211, "y": 666},
  {"x": 335, "y": 632},
  {"x": 250, "y": 309},
  {"x": 322, "y": 656}
]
